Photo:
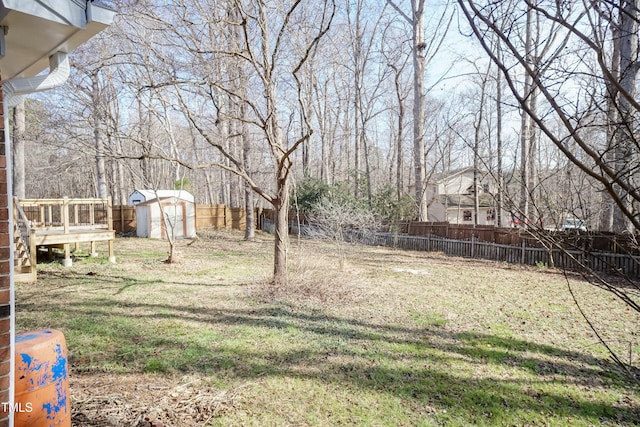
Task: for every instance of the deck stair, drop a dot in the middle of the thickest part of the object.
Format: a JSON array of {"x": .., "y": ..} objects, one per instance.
[{"x": 24, "y": 259}]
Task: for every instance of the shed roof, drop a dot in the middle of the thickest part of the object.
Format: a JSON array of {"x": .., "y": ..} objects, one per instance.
[
  {"x": 164, "y": 200},
  {"x": 163, "y": 194}
]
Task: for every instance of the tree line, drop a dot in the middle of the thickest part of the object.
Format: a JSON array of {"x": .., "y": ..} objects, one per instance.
[{"x": 241, "y": 102}]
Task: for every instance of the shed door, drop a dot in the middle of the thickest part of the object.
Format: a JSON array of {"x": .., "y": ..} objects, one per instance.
[{"x": 174, "y": 220}]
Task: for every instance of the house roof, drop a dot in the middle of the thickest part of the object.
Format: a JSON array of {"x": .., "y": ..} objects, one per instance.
[
  {"x": 466, "y": 201},
  {"x": 446, "y": 176},
  {"x": 36, "y": 29}
]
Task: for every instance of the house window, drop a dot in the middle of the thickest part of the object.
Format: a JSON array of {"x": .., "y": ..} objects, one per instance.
[
  {"x": 485, "y": 188},
  {"x": 491, "y": 215},
  {"x": 467, "y": 216}
]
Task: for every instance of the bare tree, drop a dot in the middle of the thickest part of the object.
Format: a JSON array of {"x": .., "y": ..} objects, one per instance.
[
  {"x": 591, "y": 114},
  {"x": 578, "y": 27},
  {"x": 268, "y": 55},
  {"x": 423, "y": 52},
  {"x": 339, "y": 220},
  {"x": 621, "y": 140}
]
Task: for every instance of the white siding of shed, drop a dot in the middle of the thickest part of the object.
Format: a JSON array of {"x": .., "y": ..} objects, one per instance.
[{"x": 181, "y": 213}]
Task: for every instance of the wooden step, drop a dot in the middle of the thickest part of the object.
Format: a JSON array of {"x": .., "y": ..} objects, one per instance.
[{"x": 29, "y": 277}]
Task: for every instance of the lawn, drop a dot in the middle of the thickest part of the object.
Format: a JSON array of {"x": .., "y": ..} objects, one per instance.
[{"x": 395, "y": 338}]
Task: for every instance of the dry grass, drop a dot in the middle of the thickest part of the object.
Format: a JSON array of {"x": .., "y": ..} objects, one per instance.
[{"x": 393, "y": 338}]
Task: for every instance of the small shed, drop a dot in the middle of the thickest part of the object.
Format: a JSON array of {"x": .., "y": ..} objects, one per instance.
[
  {"x": 179, "y": 218},
  {"x": 141, "y": 196}
]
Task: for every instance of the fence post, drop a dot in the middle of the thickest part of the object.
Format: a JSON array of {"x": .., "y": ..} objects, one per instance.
[
  {"x": 473, "y": 246},
  {"x": 121, "y": 218},
  {"x": 523, "y": 252}
]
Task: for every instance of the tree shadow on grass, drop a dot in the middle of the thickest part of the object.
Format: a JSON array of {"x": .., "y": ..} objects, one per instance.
[
  {"x": 487, "y": 378},
  {"x": 100, "y": 282}
]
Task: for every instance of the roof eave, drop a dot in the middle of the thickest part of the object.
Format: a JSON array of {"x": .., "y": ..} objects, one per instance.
[{"x": 62, "y": 25}]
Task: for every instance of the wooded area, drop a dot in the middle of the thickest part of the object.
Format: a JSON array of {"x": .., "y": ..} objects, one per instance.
[
  {"x": 125, "y": 121},
  {"x": 382, "y": 99},
  {"x": 359, "y": 113}
]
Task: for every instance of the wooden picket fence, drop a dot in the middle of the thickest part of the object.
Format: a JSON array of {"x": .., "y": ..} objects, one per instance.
[
  {"x": 570, "y": 259},
  {"x": 590, "y": 242},
  {"x": 523, "y": 253}
]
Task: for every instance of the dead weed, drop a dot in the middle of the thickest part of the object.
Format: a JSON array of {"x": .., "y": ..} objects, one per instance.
[{"x": 146, "y": 401}]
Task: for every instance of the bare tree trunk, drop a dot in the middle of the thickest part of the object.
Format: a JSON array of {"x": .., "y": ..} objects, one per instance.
[
  {"x": 250, "y": 226},
  {"x": 419, "y": 56},
  {"x": 419, "y": 48},
  {"x": 400, "y": 137},
  {"x": 281, "y": 244},
  {"x": 144, "y": 137},
  {"x": 526, "y": 130},
  {"x": 19, "y": 169},
  {"x": 476, "y": 145},
  {"x": 629, "y": 66},
  {"x": 122, "y": 189},
  {"x": 305, "y": 149},
  {"x": 101, "y": 180},
  {"x": 357, "y": 117},
  {"x": 500, "y": 178}
]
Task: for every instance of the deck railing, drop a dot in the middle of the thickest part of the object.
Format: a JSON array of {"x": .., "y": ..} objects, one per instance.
[{"x": 68, "y": 214}]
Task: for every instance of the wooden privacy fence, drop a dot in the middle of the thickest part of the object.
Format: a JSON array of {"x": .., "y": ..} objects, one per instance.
[
  {"x": 207, "y": 216},
  {"x": 599, "y": 241},
  {"x": 522, "y": 253},
  {"x": 623, "y": 244},
  {"x": 124, "y": 219}
]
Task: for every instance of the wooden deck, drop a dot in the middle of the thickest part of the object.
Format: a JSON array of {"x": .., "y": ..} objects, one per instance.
[
  {"x": 58, "y": 223},
  {"x": 59, "y": 237}
]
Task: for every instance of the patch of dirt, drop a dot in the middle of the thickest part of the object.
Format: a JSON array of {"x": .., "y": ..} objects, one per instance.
[
  {"x": 106, "y": 400},
  {"x": 327, "y": 288}
]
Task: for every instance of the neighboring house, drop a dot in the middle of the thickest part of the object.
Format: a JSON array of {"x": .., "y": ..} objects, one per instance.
[{"x": 451, "y": 198}]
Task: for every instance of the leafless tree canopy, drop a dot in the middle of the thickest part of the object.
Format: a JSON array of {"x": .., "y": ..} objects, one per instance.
[
  {"x": 581, "y": 60},
  {"x": 239, "y": 101}
]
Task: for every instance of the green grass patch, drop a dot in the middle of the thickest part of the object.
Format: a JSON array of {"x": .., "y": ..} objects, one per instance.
[
  {"x": 428, "y": 319},
  {"x": 413, "y": 350}
]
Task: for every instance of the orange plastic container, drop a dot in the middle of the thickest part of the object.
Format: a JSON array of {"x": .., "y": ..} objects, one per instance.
[{"x": 41, "y": 380}]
